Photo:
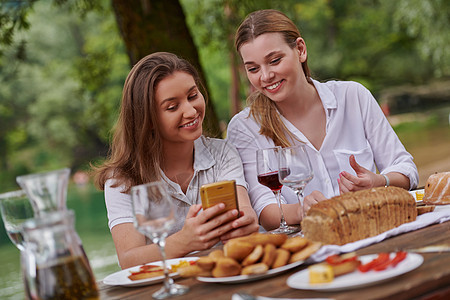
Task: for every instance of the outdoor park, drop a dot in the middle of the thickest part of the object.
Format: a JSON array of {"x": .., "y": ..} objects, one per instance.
[{"x": 63, "y": 66}]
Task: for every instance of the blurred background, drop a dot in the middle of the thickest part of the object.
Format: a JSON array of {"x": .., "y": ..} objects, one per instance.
[{"x": 63, "y": 64}]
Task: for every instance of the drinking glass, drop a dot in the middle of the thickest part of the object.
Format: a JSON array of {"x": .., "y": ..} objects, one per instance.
[
  {"x": 295, "y": 170},
  {"x": 267, "y": 170},
  {"x": 154, "y": 216},
  {"x": 15, "y": 209}
]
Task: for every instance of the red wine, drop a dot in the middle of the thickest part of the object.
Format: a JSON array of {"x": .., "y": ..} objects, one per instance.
[{"x": 270, "y": 180}]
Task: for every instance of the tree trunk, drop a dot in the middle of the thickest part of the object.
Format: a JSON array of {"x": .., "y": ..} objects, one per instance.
[{"x": 149, "y": 26}]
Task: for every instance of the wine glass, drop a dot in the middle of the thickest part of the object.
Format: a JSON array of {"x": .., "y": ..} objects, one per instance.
[
  {"x": 267, "y": 170},
  {"x": 154, "y": 216},
  {"x": 15, "y": 209},
  {"x": 295, "y": 170}
]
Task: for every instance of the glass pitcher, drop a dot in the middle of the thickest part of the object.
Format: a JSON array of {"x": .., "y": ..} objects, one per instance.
[
  {"x": 53, "y": 263},
  {"x": 47, "y": 191}
]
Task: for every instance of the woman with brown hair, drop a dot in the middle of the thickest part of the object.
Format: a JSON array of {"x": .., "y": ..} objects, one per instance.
[
  {"x": 345, "y": 132},
  {"x": 158, "y": 136}
]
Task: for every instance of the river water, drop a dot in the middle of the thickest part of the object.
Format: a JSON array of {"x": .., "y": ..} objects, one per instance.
[{"x": 91, "y": 225}]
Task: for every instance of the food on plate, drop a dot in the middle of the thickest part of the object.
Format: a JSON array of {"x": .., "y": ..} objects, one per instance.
[
  {"x": 225, "y": 267},
  {"x": 437, "y": 189},
  {"x": 320, "y": 273},
  {"x": 237, "y": 249},
  {"x": 215, "y": 254},
  {"x": 269, "y": 254},
  {"x": 281, "y": 258},
  {"x": 261, "y": 257},
  {"x": 338, "y": 265},
  {"x": 358, "y": 215},
  {"x": 263, "y": 239},
  {"x": 206, "y": 263},
  {"x": 334, "y": 266},
  {"x": 425, "y": 209},
  {"x": 149, "y": 271},
  {"x": 193, "y": 270},
  {"x": 259, "y": 268},
  {"x": 306, "y": 252},
  {"x": 295, "y": 244},
  {"x": 254, "y": 256}
]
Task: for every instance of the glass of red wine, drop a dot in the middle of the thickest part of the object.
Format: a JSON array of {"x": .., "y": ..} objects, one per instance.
[{"x": 267, "y": 170}]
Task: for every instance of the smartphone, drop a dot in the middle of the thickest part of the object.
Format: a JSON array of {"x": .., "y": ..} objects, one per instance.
[{"x": 220, "y": 192}]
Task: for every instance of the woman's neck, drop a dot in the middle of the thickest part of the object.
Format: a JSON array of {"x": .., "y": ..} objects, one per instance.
[{"x": 178, "y": 164}]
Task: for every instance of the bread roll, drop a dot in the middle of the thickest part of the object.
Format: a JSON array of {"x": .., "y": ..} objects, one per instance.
[
  {"x": 305, "y": 252},
  {"x": 254, "y": 256},
  {"x": 281, "y": 258},
  {"x": 193, "y": 271},
  {"x": 269, "y": 254},
  {"x": 358, "y": 215},
  {"x": 263, "y": 239},
  {"x": 206, "y": 263},
  {"x": 259, "y": 268},
  {"x": 215, "y": 254},
  {"x": 295, "y": 244},
  {"x": 225, "y": 267},
  {"x": 237, "y": 249},
  {"x": 437, "y": 189}
]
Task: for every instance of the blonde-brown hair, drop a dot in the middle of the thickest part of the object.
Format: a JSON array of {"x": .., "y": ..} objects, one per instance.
[
  {"x": 136, "y": 150},
  {"x": 262, "y": 109}
]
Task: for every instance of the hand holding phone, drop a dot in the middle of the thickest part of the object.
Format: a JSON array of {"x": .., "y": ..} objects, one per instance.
[{"x": 220, "y": 192}]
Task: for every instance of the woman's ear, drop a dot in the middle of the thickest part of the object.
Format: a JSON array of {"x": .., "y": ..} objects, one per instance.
[{"x": 301, "y": 48}]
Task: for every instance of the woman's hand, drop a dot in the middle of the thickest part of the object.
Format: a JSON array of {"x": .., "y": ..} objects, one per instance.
[
  {"x": 201, "y": 230},
  {"x": 311, "y": 199},
  {"x": 246, "y": 224},
  {"x": 364, "y": 178}
]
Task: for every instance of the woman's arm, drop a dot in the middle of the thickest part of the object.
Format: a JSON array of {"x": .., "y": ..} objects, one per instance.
[{"x": 200, "y": 232}]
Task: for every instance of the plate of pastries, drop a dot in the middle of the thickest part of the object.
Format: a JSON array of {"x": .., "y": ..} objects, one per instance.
[{"x": 257, "y": 256}]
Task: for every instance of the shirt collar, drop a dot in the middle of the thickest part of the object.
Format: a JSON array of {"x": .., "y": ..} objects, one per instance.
[
  {"x": 203, "y": 159},
  {"x": 326, "y": 95}
]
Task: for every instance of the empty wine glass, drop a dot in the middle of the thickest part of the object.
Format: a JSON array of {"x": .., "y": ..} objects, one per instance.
[
  {"x": 295, "y": 170},
  {"x": 154, "y": 216},
  {"x": 15, "y": 209},
  {"x": 267, "y": 170}
]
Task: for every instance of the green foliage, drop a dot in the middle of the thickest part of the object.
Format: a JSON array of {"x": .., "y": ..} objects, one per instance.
[{"x": 63, "y": 64}]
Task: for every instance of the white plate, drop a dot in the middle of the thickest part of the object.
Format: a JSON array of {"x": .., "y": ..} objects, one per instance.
[
  {"x": 121, "y": 277},
  {"x": 245, "y": 278},
  {"x": 300, "y": 280},
  {"x": 413, "y": 193}
]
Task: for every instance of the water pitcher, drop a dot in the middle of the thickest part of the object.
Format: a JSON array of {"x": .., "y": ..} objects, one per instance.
[{"x": 53, "y": 263}]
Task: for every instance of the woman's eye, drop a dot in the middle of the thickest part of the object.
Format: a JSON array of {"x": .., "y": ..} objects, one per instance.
[
  {"x": 171, "y": 107},
  {"x": 276, "y": 60},
  {"x": 193, "y": 96},
  {"x": 252, "y": 69}
]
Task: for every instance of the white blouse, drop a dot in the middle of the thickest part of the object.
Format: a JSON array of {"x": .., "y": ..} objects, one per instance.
[{"x": 355, "y": 125}]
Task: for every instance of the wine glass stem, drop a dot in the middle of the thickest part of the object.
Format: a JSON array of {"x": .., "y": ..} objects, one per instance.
[
  {"x": 283, "y": 223},
  {"x": 299, "y": 193},
  {"x": 167, "y": 279}
]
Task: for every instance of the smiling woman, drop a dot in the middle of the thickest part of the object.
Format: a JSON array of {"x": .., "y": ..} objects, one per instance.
[{"x": 158, "y": 137}]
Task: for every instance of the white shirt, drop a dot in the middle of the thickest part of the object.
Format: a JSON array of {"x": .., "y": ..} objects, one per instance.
[
  {"x": 355, "y": 125},
  {"x": 214, "y": 160}
]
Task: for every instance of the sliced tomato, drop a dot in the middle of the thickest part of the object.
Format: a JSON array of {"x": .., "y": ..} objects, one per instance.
[
  {"x": 334, "y": 259},
  {"x": 399, "y": 256},
  {"x": 382, "y": 258}
]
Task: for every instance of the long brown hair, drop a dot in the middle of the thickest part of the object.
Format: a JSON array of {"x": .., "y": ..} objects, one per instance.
[
  {"x": 136, "y": 150},
  {"x": 262, "y": 109}
]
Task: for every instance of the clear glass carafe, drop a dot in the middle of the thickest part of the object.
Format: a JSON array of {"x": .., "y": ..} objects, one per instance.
[
  {"x": 53, "y": 263},
  {"x": 47, "y": 191}
]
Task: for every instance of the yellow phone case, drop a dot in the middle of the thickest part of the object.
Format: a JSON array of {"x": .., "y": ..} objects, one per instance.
[{"x": 219, "y": 192}]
